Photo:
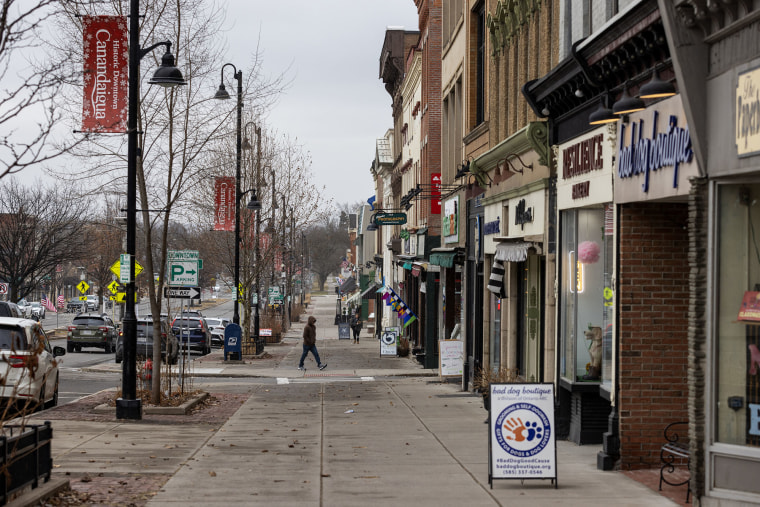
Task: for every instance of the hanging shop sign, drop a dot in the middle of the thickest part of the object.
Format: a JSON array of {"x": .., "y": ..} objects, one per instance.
[
  {"x": 521, "y": 432},
  {"x": 106, "y": 71},
  {"x": 450, "y": 227},
  {"x": 435, "y": 193},
  {"x": 390, "y": 219}
]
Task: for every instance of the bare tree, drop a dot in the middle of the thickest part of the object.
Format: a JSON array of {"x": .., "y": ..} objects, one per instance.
[
  {"x": 179, "y": 128},
  {"x": 327, "y": 244},
  {"x": 40, "y": 229},
  {"x": 29, "y": 111}
]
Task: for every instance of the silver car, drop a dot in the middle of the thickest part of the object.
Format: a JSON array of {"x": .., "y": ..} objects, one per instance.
[{"x": 27, "y": 364}]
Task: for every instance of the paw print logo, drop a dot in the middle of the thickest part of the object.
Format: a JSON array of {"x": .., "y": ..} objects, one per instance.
[{"x": 522, "y": 430}]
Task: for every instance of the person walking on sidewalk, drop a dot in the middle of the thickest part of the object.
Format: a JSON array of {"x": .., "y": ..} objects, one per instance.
[
  {"x": 356, "y": 326},
  {"x": 310, "y": 344}
]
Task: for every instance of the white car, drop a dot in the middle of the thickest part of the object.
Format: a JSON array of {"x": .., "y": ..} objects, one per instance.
[
  {"x": 216, "y": 327},
  {"x": 28, "y": 364},
  {"x": 24, "y": 307}
]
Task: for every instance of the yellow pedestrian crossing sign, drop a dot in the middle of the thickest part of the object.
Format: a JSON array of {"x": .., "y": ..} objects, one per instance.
[
  {"x": 113, "y": 287},
  {"x": 83, "y": 286}
]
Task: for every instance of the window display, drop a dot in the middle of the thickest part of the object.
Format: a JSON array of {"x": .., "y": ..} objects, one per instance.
[
  {"x": 586, "y": 295},
  {"x": 737, "y": 403}
]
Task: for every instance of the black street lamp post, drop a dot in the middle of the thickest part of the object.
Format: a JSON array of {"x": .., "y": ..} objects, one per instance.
[
  {"x": 254, "y": 204},
  {"x": 222, "y": 94},
  {"x": 258, "y": 224},
  {"x": 167, "y": 75}
]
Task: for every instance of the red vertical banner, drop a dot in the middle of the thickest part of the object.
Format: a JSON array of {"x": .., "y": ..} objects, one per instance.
[
  {"x": 224, "y": 203},
  {"x": 106, "y": 74},
  {"x": 435, "y": 193}
]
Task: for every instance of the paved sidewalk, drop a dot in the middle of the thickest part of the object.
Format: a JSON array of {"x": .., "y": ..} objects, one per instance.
[{"x": 365, "y": 431}]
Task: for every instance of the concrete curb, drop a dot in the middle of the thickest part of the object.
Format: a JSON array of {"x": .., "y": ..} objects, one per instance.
[
  {"x": 40, "y": 493},
  {"x": 178, "y": 410}
]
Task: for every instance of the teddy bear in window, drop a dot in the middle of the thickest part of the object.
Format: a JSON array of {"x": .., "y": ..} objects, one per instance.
[{"x": 594, "y": 335}]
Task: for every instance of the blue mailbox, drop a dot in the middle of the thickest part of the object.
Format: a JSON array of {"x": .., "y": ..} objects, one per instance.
[{"x": 233, "y": 346}]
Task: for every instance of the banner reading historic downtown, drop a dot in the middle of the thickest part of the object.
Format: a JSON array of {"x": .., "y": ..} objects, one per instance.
[
  {"x": 106, "y": 74},
  {"x": 224, "y": 203}
]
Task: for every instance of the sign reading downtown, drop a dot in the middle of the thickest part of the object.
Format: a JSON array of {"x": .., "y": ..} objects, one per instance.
[
  {"x": 390, "y": 219},
  {"x": 521, "y": 432}
]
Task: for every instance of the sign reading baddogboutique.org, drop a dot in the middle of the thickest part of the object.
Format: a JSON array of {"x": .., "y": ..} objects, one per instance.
[{"x": 521, "y": 432}]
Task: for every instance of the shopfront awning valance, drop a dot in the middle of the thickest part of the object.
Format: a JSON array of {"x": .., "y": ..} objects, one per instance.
[
  {"x": 369, "y": 292},
  {"x": 514, "y": 251},
  {"x": 443, "y": 259},
  {"x": 349, "y": 285}
]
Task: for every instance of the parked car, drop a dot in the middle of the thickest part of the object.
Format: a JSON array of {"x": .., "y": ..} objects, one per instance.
[
  {"x": 169, "y": 343},
  {"x": 192, "y": 313},
  {"x": 23, "y": 307},
  {"x": 216, "y": 328},
  {"x": 36, "y": 310},
  {"x": 75, "y": 305},
  {"x": 8, "y": 309},
  {"x": 192, "y": 333},
  {"x": 93, "y": 302},
  {"x": 27, "y": 364},
  {"x": 92, "y": 330}
]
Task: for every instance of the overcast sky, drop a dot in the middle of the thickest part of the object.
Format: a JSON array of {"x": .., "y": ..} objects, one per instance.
[{"x": 337, "y": 105}]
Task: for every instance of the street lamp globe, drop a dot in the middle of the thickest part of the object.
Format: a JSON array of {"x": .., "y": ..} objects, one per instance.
[{"x": 167, "y": 75}]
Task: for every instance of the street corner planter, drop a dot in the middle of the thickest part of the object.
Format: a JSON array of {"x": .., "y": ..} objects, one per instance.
[{"x": 273, "y": 338}]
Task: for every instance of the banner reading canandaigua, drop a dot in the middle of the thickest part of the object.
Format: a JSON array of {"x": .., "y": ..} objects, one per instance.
[
  {"x": 224, "y": 203},
  {"x": 106, "y": 74}
]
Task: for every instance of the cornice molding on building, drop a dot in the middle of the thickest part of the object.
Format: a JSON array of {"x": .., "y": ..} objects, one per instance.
[
  {"x": 534, "y": 136},
  {"x": 716, "y": 20}
]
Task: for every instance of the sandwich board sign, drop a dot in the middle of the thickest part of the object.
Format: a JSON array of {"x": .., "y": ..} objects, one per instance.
[
  {"x": 388, "y": 341},
  {"x": 521, "y": 432}
]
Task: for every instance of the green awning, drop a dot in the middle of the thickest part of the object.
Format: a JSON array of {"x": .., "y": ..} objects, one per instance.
[
  {"x": 407, "y": 265},
  {"x": 443, "y": 259}
]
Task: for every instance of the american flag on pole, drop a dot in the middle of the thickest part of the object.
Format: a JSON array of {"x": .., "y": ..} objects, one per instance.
[
  {"x": 47, "y": 303},
  {"x": 61, "y": 301}
]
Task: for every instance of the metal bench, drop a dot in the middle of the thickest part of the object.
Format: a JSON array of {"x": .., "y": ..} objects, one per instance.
[{"x": 675, "y": 453}]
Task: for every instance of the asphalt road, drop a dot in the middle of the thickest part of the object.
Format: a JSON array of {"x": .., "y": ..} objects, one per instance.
[{"x": 77, "y": 382}]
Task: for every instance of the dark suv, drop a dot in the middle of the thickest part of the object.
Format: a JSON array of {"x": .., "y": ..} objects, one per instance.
[
  {"x": 169, "y": 343},
  {"x": 91, "y": 330},
  {"x": 193, "y": 333}
]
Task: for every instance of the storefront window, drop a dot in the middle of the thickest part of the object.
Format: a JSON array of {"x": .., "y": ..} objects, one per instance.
[
  {"x": 495, "y": 332},
  {"x": 586, "y": 307},
  {"x": 737, "y": 403}
]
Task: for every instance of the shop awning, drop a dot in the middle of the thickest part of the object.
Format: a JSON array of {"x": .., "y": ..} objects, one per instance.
[
  {"x": 348, "y": 286},
  {"x": 407, "y": 265},
  {"x": 418, "y": 267},
  {"x": 369, "y": 292},
  {"x": 515, "y": 251},
  {"x": 443, "y": 259}
]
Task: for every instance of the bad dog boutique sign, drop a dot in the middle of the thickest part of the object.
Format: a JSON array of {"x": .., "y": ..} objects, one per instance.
[{"x": 521, "y": 441}]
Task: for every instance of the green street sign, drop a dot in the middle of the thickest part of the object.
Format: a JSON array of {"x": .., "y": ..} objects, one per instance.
[{"x": 390, "y": 219}]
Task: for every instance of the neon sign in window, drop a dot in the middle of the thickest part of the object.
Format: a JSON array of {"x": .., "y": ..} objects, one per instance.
[{"x": 576, "y": 285}]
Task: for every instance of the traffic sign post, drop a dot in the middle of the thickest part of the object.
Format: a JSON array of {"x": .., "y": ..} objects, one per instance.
[
  {"x": 183, "y": 272},
  {"x": 182, "y": 292},
  {"x": 125, "y": 263},
  {"x": 183, "y": 267}
]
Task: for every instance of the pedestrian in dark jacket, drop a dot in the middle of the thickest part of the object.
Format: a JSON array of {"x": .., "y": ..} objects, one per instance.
[
  {"x": 310, "y": 344},
  {"x": 356, "y": 326}
]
